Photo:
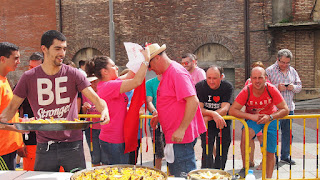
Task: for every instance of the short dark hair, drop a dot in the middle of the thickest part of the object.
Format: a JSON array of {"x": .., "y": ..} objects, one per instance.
[
  {"x": 94, "y": 65},
  {"x": 48, "y": 37},
  {"x": 82, "y": 63},
  {"x": 6, "y": 49},
  {"x": 218, "y": 67},
  {"x": 189, "y": 55},
  {"x": 36, "y": 56}
]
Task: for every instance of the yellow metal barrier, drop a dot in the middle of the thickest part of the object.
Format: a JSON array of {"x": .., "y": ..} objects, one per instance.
[
  {"x": 247, "y": 147},
  {"x": 316, "y": 116},
  {"x": 225, "y": 117}
]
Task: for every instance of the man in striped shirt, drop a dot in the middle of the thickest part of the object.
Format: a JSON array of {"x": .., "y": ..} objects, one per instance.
[{"x": 287, "y": 80}]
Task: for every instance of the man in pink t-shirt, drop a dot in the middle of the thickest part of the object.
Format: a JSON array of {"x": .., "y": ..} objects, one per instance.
[
  {"x": 178, "y": 110},
  {"x": 189, "y": 62},
  {"x": 263, "y": 103}
]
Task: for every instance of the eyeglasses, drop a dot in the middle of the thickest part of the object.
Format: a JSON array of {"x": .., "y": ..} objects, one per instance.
[
  {"x": 284, "y": 63},
  {"x": 185, "y": 63}
]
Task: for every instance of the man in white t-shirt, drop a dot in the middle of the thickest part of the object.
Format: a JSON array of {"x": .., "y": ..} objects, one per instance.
[
  {"x": 189, "y": 62},
  {"x": 82, "y": 67}
]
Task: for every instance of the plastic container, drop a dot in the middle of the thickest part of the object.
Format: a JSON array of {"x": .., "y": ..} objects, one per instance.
[
  {"x": 25, "y": 118},
  {"x": 250, "y": 175}
]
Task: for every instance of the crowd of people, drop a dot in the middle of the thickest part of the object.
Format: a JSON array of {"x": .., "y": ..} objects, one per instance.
[{"x": 185, "y": 101}]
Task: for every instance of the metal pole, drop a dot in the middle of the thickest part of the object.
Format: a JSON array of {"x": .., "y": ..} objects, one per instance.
[
  {"x": 60, "y": 15},
  {"x": 111, "y": 32},
  {"x": 247, "y": 38}
]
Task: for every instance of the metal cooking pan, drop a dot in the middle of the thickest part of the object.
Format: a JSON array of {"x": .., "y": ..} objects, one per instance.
[
  {"x": 213, "y": 171},
  {"x": 52, "y": 126},
  {"x": 75, "y": 175}
]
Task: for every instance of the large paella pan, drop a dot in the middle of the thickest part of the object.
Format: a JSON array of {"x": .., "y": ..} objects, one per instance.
[{"x": 120, "y": 172}]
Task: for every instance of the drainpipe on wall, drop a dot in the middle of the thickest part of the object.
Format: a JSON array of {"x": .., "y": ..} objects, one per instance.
[
  {"x": 60, "y": 15},
  {"x": 247, "y": 38},
  {"x": 111, "y": 32}
]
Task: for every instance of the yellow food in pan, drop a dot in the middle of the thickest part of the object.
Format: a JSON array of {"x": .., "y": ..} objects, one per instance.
[
  {"x": 114, "y": 173},
  {"x": 209, "y": 175},
  {"x": 48, "y": 121}
]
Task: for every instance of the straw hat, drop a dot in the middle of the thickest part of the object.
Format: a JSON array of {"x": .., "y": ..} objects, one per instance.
[
  {"x": 92, "y": 78},
  {"x": 155, "y": 49}
]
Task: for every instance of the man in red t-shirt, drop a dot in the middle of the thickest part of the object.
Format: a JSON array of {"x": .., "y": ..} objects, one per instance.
[{"x": 263, "y": 103}]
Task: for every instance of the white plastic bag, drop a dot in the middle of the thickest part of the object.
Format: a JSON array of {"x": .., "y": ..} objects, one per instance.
[{"x": 169, "y": 153}]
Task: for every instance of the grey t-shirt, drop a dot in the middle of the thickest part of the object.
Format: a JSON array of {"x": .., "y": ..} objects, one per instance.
[{"x": 53, "y": 96}]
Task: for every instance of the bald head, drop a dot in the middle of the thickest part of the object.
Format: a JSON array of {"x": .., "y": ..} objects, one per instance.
[
  {"x": 258, "y": 78},
  {"x": 258, "y": 70}
]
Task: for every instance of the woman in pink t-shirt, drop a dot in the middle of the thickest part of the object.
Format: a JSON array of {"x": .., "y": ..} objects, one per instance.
[{"x": 112, "y": 88}]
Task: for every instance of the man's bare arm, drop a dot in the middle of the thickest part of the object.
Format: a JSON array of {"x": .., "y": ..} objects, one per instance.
[
  {"x": 100, "y": 104},
  {"x": 283, "y": 110},
  {"x": 217, "y": 114},
  {"x": 8, "y": 113},
  {"x": 189, "y": 113},
  {"x": 235, "y": 110}
]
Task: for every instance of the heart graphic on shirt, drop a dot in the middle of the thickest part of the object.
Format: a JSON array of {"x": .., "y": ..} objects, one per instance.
[{"x": 216, "y": 98}]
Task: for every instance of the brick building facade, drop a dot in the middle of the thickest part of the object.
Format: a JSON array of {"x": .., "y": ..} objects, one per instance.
[{"x": 185, "y": 26}]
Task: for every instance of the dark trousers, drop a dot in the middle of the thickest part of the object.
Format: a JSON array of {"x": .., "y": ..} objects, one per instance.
[
  {"x": 69, "y": 155},
  {"x": 10, "y": 160},
  {"x": 133, "y": 156},
  {"x": 207, "y": 159}
]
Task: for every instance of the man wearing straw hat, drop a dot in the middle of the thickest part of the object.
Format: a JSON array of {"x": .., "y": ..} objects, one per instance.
[
  {"x": 264, "y": 103},
  {"x": 10, "y": 139},
  {"x": 214, "y": 95},
  {"x": 178, "y": 109}
]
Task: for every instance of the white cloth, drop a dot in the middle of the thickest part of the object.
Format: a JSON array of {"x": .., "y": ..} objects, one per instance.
[
  {"x": 169, "y": 153},
  {"x": 134, "y": 55},
  {"x": 82, "y": 71}
]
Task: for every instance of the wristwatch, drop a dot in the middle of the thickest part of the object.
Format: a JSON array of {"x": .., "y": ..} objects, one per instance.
[
  {"x": 153, "y": 111},
  {"x": 145, "y": 63},
  {"x": 271, "y": 117}
]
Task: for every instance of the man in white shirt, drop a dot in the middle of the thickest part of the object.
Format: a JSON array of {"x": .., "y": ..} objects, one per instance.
[{"x": 82, "y": 67}]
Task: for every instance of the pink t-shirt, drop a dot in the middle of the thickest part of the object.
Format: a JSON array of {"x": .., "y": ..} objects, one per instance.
[
  {"x": 117, "y": 105},
  {"x": 175, "y": 85},
  {"x": 92, "y": 110},
  {"x": 198, "y": 75},
  {"x": 263, "y": 104}
]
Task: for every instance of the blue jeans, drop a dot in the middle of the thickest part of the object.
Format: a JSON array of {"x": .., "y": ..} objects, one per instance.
[
  {"x": 97, "y": 156},
  {"x": 114, "y": 153},
  {"x": 184, "y": 159},
  {"x": 285, "y": 137}
]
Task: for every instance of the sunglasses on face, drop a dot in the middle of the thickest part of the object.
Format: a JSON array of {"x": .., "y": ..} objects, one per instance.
[{"x": 185, "y": 63}]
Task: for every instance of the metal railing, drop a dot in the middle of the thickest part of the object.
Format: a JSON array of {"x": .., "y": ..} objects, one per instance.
[
  {"x": 304, "y": 117},
  {"x": 247, "y": 147}
]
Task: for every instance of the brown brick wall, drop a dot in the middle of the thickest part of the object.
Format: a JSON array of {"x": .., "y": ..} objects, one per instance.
[
  {"x": 184, "y": 25},
  {"x": 302, "y": 9},
  {"x": 23, "y": 23}
]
